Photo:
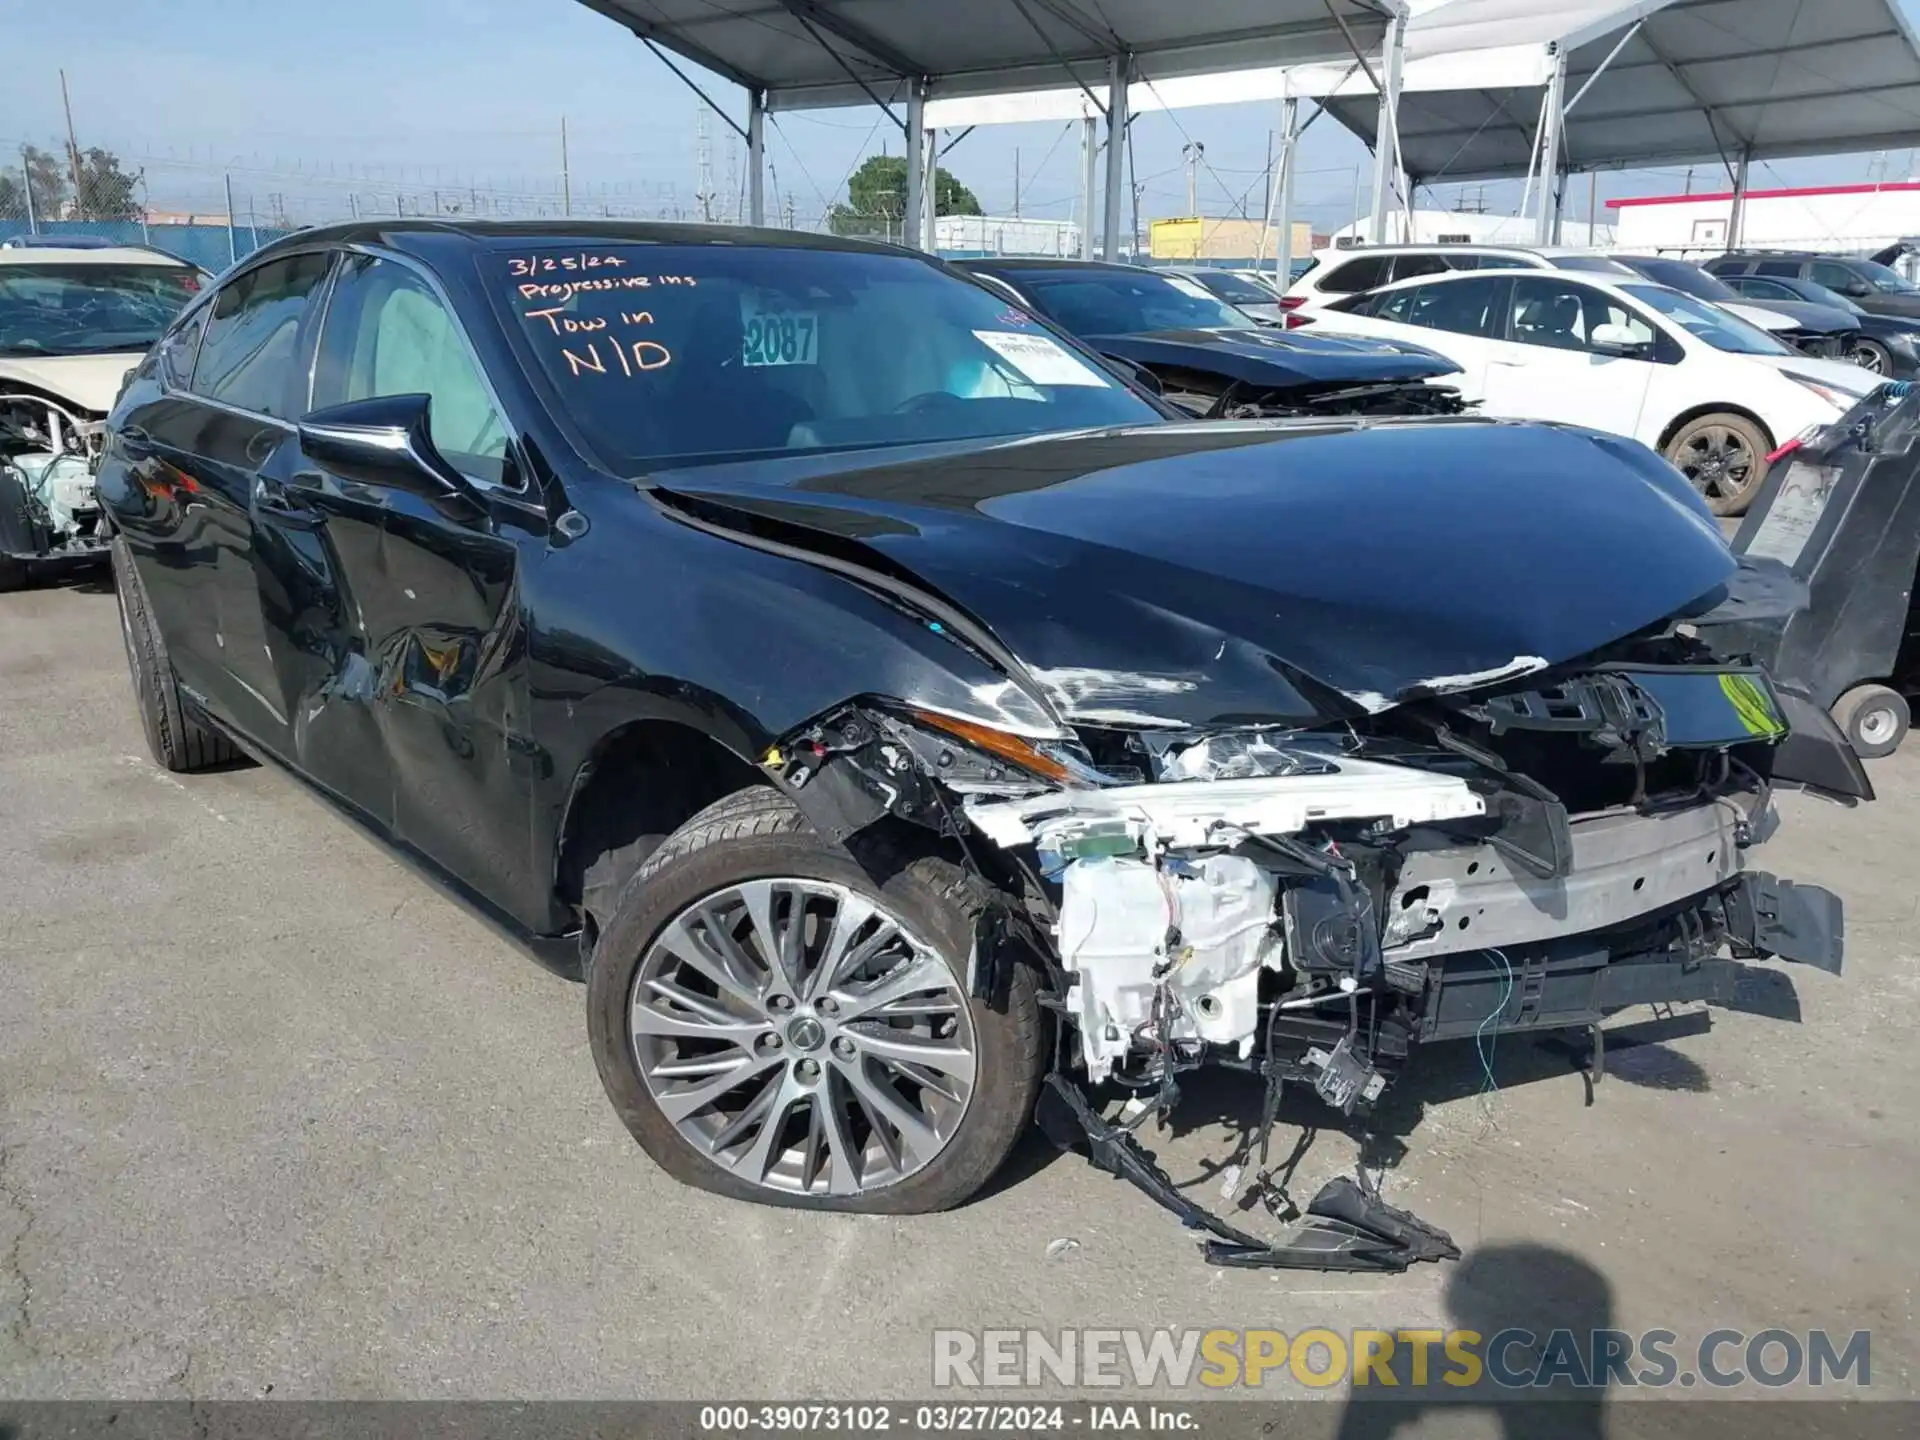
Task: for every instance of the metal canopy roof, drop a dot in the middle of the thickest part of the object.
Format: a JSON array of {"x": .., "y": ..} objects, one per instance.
[
  {"x": 1698, "y": 79},
  {"x": 809, "y": 54}
]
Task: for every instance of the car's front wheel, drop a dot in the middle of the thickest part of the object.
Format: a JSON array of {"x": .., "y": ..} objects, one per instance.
[
  {"x": 773, "y": 1024},
  {"x": 1724, "y": 456},
  {"x": 1872, "y": 356},
  {"x": 177, "y": 740}
]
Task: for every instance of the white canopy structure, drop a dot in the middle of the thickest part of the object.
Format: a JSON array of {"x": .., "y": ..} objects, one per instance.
[
  {"x": 1503, "y": 88},
  {"x": 803, "y": 54}
]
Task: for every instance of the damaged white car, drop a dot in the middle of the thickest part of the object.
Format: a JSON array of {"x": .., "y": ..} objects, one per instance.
[{"x": 73, "y": 322}]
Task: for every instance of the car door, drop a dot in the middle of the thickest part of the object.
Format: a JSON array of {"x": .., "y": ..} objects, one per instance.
[
  {"x": 1547, "y": 366},
  {"x": 1455, "y": 317},
  {"x": 205, "y": 444},
  {"x": 396, "y": 621}
]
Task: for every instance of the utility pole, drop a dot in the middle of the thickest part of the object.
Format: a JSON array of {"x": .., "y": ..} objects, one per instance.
[
  {"x": 73, "y": 147},
  {"x": 1193, "y": 152},
  {"x": 566, "y": 172},
  {"x": 703, "y": 158},
  {"x": 1593, "y": 199}
]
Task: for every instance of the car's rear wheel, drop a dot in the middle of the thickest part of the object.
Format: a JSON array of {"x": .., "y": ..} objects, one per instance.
[
  {"x": 1724, "y": 456},
  {"x": 177, "y": 740},
  {"x": 1874, "y": 718},
  {"x": 1872, "y": 356},
  {"x": 774, "y": 1025}
]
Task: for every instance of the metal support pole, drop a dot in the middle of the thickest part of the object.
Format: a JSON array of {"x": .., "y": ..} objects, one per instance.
[
  {"x": 1559, "y": 203},
  {"x": 917, "y": 179},
  {"x": 930, "y": 191},
  {"x": 233, "y": 243},
  {"x": 1089, "y": 151},
  {"x": 1551, "y": 116},
  {"x": 26, "y": 180},
  {"x": 1386, "y": 129},
  {"x": 1280, "y": 202},
  {"x": 1737, "y": 219},
  {"x": 756, "y": 157},
  {"x": 1119, "y": 74}
]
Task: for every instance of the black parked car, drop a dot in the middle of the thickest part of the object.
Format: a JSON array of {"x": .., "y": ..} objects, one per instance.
[
  {"x": 1212, "y": 359},
  {"x": 864, "y": 688},
  {"x": 1827, "y": 332},
  {"x": 1887, "y": 344},
  {"x": 1869, "y": 284}
]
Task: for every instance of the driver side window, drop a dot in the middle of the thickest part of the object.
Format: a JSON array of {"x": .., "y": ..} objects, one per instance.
[{"x": 388, "y": 333}]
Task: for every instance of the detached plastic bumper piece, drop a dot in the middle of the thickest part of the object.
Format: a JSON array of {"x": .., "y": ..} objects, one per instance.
[
  {"x": 1347, "y": 1226},
  {"x": 1801, "y": 923}
]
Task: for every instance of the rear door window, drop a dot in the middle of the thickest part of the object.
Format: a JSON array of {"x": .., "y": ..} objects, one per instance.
[
  {"x": 1368, "y": 272},
  {"x": 1460, "y": 307},
  {"x": 1408, "y": 267},
  {"x": 252, "y": 340},
  {"x": 1825, "y": 272}
]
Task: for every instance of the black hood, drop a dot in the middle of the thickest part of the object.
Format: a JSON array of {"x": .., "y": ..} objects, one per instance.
[
  {"x": 1215, "y": 573},
  {"x": 1891, "y": 302},
  {"x": 1813, "y": 319},
  {"x": 1278, "y": 358}
]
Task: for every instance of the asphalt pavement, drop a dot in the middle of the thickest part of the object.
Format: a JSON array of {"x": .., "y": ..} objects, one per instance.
[{"x": 276, "y": 1118}]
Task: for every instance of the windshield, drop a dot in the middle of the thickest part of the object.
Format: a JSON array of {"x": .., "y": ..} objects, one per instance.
[
  {"x": 1881, "y": 278},
  {"x": 671, "y": 353},
  {"x": 1235, "y": 289},
  {"x": 1113, "y": 302},
  {"x": 1602, "y": 264},
  {"x": 1688, "y": 279},
  {"x": 69, "y": 309},
  {"x": 1705, "y": 322},
  {"x": 1820, "y": 295}
]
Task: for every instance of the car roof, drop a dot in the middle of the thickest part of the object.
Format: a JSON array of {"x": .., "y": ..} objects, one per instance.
[
  {"x": 1518, "y": 272},
  {"x": 1052, "y": 262},
  {"x": 1457, "y": 247},
  {"x": 432, "y": 236},
  {"x": 86, "y": 255}
]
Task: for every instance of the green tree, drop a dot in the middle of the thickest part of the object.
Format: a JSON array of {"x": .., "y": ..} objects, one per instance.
[
  {"x": 877, "y": 191},
  {"x": 13, "y": 198},
  {"x": 106, "y": 191},
  {"x": 46, "y": 181}
]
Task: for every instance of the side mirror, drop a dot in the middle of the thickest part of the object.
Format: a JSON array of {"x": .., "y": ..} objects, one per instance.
[
  {"x": 1136, "y": 373},
  {"x": 1619, "y": 340},
  {"x": 385, "y": 442},
  {"x": 1857, "y": 288}
]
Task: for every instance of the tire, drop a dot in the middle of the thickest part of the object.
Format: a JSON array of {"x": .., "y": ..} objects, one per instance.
[
  {"x": 1724, "y": 457},
  {"x": 757, "y": 834},
  {"x": 1874, "y": 718},
  {"x": 1871, "y": 355},
  {"x": 177, "y": 740}
]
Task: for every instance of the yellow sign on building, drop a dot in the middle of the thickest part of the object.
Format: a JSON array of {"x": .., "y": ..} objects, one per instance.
[{"x": 1200, "y": 237}]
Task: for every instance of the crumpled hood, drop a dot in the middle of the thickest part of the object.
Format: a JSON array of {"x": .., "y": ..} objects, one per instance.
[
  {"x": 1279, "y": 358},
  {"x": 1220, "y": 573},
  {"x": 91, "y": 382}
]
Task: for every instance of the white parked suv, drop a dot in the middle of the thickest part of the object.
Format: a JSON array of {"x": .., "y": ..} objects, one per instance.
[
  {"x": 1714, "y": 395},
  {"x": 1336, "y": 274}
]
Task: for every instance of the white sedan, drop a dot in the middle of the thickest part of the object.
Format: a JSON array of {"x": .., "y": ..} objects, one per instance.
[{"x": 1711, "y": 393}]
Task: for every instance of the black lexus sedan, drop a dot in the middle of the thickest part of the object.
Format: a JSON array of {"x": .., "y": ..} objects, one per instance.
[
  {"x": 1214, "y": 360},
  {"x": 1887, "y": 344},
  {"x": 896, "y": 718}
]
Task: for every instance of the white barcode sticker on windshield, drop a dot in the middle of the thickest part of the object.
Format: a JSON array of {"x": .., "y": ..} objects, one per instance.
[
  {"x": 779, "y": 337},
  {"x": 1040, "y": 358}
]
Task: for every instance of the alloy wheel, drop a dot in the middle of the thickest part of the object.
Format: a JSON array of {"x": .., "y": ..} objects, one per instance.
[
  {"x": 1870, "y": 359},
  {"x": 799, "y": 1034},
  {"x": 1718, "y": 462}
]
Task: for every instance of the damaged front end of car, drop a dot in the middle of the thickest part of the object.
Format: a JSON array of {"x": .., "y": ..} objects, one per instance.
[
  {"x": 1311, "y": 904},
  {"x": 49, "y": 514}
]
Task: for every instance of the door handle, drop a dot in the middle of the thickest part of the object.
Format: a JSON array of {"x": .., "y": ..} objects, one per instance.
[
  {"x": 1509, "y": 363},
  {"x": 272, "y": 499}
]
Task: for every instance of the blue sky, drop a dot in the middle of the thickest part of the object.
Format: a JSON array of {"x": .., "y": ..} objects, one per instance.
[{"x": 312, "y": 102}]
